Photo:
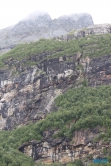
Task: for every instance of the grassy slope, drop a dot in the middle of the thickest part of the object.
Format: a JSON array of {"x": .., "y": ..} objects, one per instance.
[{"x": 92, "y": 46}]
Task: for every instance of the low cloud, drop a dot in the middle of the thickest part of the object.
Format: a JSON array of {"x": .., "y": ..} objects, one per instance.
[{"x": 35, "y": 14}]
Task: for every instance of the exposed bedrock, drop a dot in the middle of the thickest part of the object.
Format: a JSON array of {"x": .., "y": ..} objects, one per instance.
[
  {"x": 29, "y": 93},
  {"x": 81, "y": 146}
]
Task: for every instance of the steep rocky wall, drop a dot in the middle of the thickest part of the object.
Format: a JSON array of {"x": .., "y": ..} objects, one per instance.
[
  {"x": 29, "y": 93},
  {"x": 81, "y": 146},
  {"x": 99, "y": 72}
]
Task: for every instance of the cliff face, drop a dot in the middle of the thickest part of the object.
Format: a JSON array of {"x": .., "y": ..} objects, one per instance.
[
  {"x": 30, "y": 94},
  {"x": 27, "y": 94},
  {"x": 82, "y": 146},
  {"x": 41, "y": 26}
]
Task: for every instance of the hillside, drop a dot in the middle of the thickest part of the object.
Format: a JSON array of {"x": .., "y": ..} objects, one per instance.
[
  {"x": 38, "y": 26},
  {"x": 55, "y": 100},
  {"x": 84, "y": 109}
]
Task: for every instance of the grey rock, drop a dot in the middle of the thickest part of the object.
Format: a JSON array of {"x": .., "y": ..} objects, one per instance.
[
  {"x": 29, "y": 95},
  {"x": 99, "y": 29},
  {"x": 41, "y": 26}
]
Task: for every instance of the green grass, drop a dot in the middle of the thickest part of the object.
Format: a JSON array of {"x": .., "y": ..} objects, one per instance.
[{"x": 92, "y": 46}]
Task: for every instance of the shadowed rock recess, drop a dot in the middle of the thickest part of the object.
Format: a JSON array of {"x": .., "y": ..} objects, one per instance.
[
  {"x": 28, "y": 91},
  {"x": 63, "y": 150}
]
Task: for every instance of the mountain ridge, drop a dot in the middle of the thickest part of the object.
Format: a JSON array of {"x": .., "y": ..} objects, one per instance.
[
  {"x": 55, "y": 100},
  {"x": 42, "y": 26}
]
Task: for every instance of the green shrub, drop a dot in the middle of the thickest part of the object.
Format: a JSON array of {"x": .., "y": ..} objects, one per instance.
[{"x": 92, "y": 46}]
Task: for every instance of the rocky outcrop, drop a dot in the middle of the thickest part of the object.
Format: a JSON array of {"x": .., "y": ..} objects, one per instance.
[
  {"x": 41, "y": 26},
  {"x": 81, "y": 146},
  {"x": 99, "y": 29},
  {"x": 99, "y": 71}
]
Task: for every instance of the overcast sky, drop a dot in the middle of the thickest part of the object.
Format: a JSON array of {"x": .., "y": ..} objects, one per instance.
[{"x": 12, "y": 11}]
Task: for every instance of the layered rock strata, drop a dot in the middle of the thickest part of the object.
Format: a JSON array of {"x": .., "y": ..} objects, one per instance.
[{"x": 81, "y": 146}]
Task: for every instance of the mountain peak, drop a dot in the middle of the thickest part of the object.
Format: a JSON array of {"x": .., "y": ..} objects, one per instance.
[{"x": 40, "y": 25}]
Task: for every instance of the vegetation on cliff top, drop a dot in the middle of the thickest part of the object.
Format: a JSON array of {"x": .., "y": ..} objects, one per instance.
[
  {"x": 79, "y": 108},
  {"x": 92, "y": 46}
]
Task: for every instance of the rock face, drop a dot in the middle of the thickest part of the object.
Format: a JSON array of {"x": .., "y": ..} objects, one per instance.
[
  {"x": 82, "y": 146},
  {"x": 100, "y": 29},
  {"x": 100, "y": 71},
  {"x": 29, "y": 94},
  {"x": 41, "y": 26}
]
